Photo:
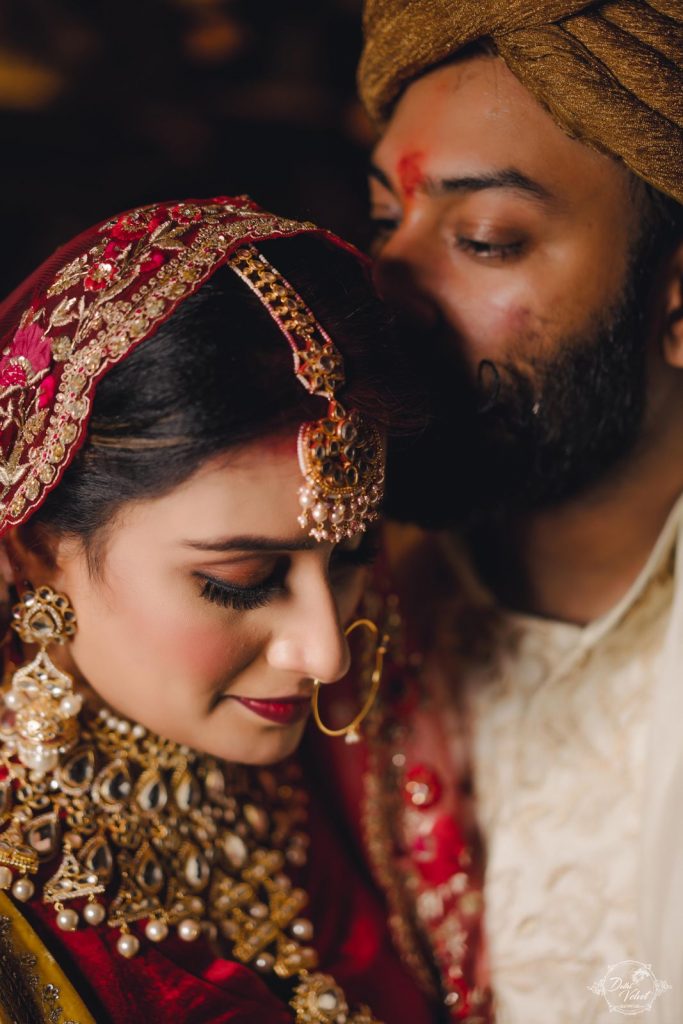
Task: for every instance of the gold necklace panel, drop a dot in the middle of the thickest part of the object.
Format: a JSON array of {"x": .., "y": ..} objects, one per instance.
[{"x": 141, "y": 828}]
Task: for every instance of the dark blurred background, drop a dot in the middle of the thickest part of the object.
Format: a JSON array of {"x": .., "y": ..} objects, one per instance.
[{"x": 104, "y": 105}]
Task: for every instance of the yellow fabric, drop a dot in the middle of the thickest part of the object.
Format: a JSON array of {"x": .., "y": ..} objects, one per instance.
[
  {"x": 610, "y": 73},
  {"x": 16, "y": 942}
]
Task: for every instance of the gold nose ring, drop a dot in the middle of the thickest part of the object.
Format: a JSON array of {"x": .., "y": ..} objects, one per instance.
[{"x": 351, "y": 732}]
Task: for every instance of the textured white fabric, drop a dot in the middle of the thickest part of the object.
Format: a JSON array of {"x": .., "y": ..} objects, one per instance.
[{"x": 574, "y": 731}]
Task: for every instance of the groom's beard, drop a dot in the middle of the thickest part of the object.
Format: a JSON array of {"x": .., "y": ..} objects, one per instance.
[{"x": 528, "y": 435}]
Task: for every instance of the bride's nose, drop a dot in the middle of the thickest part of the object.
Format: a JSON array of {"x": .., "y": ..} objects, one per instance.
[{"x": 311, "y": 641}]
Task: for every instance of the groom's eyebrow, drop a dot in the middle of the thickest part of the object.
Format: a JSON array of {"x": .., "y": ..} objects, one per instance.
[{"x": 510, "y": 179}]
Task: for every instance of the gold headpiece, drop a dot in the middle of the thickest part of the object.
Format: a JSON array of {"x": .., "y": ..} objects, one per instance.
[
  {"x": 115, "y": 286},
  {"x": 342, "y": 455}
]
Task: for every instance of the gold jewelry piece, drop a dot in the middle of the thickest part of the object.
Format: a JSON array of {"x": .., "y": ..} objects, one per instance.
[
  {"x": 140, "y": 829},
  {"x": 351, "y": 731},
  {"x": 342, "y": 455},
  {"x": 41, "y": 697}
]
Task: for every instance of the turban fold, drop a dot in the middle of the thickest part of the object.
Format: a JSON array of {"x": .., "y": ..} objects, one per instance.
[{"x": 610, "y": 73}]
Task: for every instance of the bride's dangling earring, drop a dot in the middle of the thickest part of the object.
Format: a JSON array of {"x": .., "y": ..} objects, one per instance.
[{"x": 41, "y": 696}]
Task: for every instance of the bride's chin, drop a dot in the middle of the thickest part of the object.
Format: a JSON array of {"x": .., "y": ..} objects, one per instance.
[{"x": 266, "y": 746}]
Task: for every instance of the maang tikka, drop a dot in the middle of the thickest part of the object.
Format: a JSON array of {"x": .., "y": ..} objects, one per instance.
[
  {"x": 41, "y": 697},
  {"x": 130, "y": 275},
  {"x": 341, "y": 455}
]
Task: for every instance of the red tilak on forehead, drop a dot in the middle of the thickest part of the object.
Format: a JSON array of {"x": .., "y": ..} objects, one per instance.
[{"x": 410, "y": 173}]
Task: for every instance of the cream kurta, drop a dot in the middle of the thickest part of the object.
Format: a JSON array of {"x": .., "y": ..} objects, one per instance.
[{"x": 560, "y": 722}]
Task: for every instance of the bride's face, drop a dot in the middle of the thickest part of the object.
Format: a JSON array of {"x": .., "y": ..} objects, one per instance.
[{"x": 209, "y": 610}]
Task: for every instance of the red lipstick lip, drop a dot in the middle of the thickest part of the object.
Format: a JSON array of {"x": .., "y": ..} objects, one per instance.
[{"x": 284, "y": 711}]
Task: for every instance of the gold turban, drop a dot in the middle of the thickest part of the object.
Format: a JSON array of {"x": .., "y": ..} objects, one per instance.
[{"x": 610, "y": 73}]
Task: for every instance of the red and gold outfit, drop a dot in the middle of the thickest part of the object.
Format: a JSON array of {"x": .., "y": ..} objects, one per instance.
[
  {"x": 189, "y": 982},
  {"x": 411, "y": 779},
  {"x": 142, "y": 880}
]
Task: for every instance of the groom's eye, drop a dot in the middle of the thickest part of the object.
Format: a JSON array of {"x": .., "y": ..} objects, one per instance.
[
  {"x": 384, "y": 223},
  {"x": 482, "y": 250}
]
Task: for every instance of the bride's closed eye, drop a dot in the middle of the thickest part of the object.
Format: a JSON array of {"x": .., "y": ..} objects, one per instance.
[{"x": 244, "y": 597}]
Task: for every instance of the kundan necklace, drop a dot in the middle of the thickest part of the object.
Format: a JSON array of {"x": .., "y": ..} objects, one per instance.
[{"x": 138, "y": 828}]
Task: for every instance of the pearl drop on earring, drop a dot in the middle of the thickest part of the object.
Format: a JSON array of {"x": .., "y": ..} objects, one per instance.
[{"x": 71, "y": 704}]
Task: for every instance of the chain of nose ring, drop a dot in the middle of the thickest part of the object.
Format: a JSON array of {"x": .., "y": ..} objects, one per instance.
[{"x": 351, "y": 732}]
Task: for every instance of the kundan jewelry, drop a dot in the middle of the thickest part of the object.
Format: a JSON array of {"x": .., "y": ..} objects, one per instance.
[
  {"x": 140, "y": 829},
  {"x": 111, "y": 825},
  {"x": 108, "y": 299},
  {"x": 41, "y": 696},
  {"x": 341, "y": 456}
]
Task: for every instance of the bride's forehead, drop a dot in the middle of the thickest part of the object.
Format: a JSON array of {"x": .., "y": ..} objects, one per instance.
[{"x": 256, "y": 483}]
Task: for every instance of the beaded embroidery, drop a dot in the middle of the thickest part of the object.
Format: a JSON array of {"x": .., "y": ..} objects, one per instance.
[
  {"x": 435, "y": 924},
  {"x": 23, "y": 993},
  {"x": 108, "y": 300}
]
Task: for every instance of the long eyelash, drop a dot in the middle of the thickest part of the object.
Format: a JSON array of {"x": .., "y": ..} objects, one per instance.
[
  {"x": 241, "y": 599},
  {"x": 244, "y": 599}
]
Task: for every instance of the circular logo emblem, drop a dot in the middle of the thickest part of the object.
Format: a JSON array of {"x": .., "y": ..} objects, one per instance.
[{"x": 630, "y": 987}]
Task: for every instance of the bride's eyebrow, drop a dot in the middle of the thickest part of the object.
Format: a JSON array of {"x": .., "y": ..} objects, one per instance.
[{"x": 251, "y": 543}]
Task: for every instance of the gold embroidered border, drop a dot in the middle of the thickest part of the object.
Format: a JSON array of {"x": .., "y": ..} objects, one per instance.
[
  {"x": 33, "y": 988},
  {"x": 381, "y": 811},
  {"x": 105, "y": 329}
]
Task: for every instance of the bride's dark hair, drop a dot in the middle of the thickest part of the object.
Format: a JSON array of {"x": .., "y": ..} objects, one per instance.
[{"x": 219, "y": 374}]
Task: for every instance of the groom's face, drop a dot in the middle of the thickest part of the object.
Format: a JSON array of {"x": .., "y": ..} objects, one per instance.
[
  {"x": 513, "y": 247},
  {"x": 492, "y": 219}
]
